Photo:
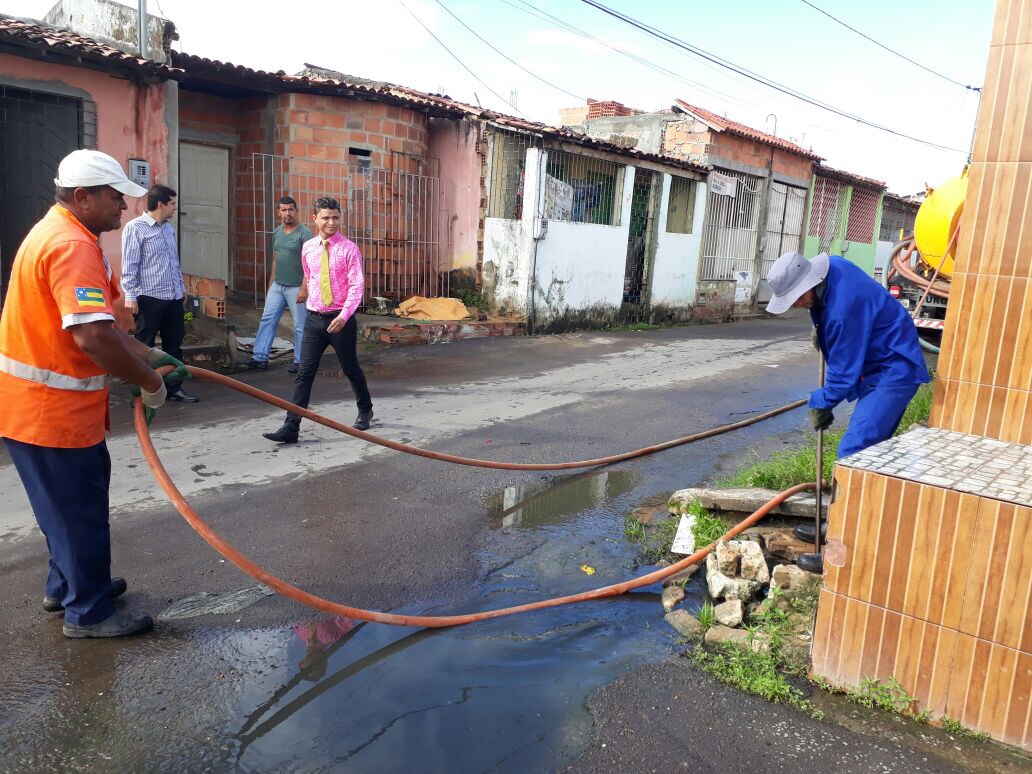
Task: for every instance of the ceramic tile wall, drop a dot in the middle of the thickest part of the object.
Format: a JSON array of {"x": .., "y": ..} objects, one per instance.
[{"x": 984, "y": 382}]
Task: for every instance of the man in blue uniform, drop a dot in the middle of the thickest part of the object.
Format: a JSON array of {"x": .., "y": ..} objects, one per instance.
[{"x": 866, "y": 337}]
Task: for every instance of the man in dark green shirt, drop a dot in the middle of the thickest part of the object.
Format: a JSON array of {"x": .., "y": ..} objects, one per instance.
[{"x": 284, "y": 284}]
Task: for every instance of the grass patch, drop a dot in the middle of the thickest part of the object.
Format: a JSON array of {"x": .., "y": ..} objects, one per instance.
[
  {"x": 889, "y": 696},
  {"x": 642, "y": 326},
  {"x": 787, "y": 468},
  {"x": 756, "y": 672},
  {"x": 956, "y": 728},
  {"x": 634, "y": 529},
  {"x": 470, "y": 297},
  {"x": 707, "y": 617}
]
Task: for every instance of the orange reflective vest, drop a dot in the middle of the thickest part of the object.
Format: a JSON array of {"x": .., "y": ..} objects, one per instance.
[{"x": 51, "y": 392}]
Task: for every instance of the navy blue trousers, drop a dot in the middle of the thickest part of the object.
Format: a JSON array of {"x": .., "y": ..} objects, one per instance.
[
  {"x": 68, "y": 491},
  {"x": 876, "y": 416}
]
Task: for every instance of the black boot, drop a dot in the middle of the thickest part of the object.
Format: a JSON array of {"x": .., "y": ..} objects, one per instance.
[
  {"x": 805, "y": 532},
  {"x": 118, "y": 588},
  {"x": 286, "y": 434},
  {"x": 811, "y": 563},
  {"x": 119, "y": 624},
  {"x": 364, "y": 418}
]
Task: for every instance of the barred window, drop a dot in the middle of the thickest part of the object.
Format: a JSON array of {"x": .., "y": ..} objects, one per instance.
[
  {"x": 896, "y": 218},
  {"x": 681, "y": 206},
  {"x": 863, "y": 211},
  {"x": 508, "y": 168},
  {"x": 582, "y": 189}
]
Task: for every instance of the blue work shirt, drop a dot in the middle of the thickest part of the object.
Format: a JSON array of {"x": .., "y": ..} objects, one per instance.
[{"x": 865, "y": 335}]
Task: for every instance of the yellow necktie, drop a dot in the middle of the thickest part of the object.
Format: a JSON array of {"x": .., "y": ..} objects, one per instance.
[{"x": 325, "y": 288}]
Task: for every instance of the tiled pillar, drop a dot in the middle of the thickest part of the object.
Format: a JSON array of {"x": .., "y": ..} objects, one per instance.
[
  {"x": 984, "y": 380},
  {"x": 928, "y": 566}
]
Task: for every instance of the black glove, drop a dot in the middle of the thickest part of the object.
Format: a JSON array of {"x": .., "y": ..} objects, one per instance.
[{"x": 821, "y": 419}]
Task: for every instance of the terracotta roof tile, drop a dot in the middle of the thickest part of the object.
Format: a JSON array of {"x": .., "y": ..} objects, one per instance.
[
  {"x": 848, "y": 177},
  {"x": 726, "y": 124},
  {"x": 33, "y": 34}
]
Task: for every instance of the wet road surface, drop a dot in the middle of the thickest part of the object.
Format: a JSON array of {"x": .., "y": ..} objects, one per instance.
[{"x": 266, "y": 685}]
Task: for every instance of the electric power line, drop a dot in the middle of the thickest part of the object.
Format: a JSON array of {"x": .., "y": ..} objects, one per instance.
[
  {"x": 504, "y": 56},
  {"x": 456, "y": 58},
  {"x": 666, "y": 37},
  {"x": 890, "y": 50}
]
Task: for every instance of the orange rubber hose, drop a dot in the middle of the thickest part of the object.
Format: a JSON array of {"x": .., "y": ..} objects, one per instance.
[
  {"x": 246, "y": 389},
  {"x": 432, "y": 621}
]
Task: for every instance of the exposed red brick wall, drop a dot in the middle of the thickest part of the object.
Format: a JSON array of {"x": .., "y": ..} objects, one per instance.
[
  {"x": 691, "y": 139},
  {"x": 599, "y": 109}
]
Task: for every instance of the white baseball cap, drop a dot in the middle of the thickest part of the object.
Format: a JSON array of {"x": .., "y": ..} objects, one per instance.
[
  {"x": 791, "y": 276},
  {"x": 85, "y": 168}
]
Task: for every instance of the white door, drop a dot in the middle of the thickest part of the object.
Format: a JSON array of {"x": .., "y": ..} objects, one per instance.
[{"x": 204, "y": 210}]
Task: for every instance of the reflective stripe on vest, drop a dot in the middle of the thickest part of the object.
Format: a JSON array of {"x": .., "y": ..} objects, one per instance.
[{"x": 52, "y": 378}]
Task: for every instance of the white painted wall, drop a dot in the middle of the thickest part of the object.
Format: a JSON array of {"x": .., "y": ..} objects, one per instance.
[
  {"x": 582, "y": 265},
  {"x": 676, "y": 269}
]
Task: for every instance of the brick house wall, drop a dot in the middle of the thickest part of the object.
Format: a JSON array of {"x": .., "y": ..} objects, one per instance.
[{"x": 692, "y": 139}]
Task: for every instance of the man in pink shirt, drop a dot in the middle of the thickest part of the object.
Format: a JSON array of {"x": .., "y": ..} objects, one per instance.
[{"x": 332, "y": 290}]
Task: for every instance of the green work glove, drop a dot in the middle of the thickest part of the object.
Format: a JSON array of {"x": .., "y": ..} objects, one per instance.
[
  {"x": 821, "y": 419},
  {"x": 152, "y": 401},
  {"x": 156, "y": 358}
]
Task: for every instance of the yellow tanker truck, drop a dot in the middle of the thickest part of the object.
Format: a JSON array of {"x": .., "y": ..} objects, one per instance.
[{"x": 921, "y": 264}]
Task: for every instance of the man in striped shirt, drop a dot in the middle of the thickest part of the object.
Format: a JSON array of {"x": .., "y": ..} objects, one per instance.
[{"x": 152, "y": 278}]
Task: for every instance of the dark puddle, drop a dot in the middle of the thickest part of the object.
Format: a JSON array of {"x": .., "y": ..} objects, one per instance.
[{"x": 505, "y": 695}]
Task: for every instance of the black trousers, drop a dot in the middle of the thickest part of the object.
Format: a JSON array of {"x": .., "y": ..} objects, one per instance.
[
  {"x": 165, "y": 317},
  {"x": 313, "y": 344}
]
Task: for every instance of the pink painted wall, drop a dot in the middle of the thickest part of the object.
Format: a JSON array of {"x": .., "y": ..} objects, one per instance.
[
  {"x": 130, "y": 121},
  {"x": 454, "y": 145}
]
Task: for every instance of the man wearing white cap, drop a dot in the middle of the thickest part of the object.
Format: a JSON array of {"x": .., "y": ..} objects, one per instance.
[
  {"x": 868, "y": 340},
  {"x": 58, "y": 348}
]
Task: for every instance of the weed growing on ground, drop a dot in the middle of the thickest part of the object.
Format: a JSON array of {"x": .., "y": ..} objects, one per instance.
[
  {"x": 757, "y": 672},
  {"x": 642, "y": 326},
  {"x": 956, "y": 728},
  {"x": 787, "y": 468},
  {"x": 634, "y": 529},
  {"x": 707, "y": 529},
  {"x": 707, "y": 617},
  {"x": 889, "y": 696},
  {"x": 470, "y": 297}
]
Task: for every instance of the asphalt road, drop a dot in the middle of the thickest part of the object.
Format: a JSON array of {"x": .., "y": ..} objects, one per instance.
[{"x": 248, "y": 688}]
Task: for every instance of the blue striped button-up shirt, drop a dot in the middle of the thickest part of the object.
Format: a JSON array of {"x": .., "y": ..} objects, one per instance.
[{"x": 150, "y": 260}]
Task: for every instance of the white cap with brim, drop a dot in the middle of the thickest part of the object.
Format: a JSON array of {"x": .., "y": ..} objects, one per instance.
[
  {"x": 791, "y": 276},
  {"x": 86, "y": 168}
]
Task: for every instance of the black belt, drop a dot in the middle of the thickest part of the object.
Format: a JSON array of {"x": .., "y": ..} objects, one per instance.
[{"x": 331, "y": 313}]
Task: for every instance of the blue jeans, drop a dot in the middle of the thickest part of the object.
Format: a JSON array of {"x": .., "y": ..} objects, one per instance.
[
  {"x": 68, "y": 491},
  {"x": 276, "y": 302},
  {"x": 877, "y": 415}
]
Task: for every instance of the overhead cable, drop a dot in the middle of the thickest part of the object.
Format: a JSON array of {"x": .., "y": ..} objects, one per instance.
[
  {"x": 890, "y": 50},
  {"x": 506, "y": 57},
  {"x": 714, "y": 58},
  {"x": 456, "y": 58}
]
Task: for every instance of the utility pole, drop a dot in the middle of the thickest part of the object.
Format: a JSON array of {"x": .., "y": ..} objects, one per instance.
[{"x": 141, "y": 27}]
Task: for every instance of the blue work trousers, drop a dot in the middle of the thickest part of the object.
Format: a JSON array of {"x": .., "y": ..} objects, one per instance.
[
  {"x": 68, "y": 491},
  {"x": 876, "y": 416},
  {"x": 279, "y": 298}
]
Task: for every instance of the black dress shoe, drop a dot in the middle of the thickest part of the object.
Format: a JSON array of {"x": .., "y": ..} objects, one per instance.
[
  {"x": 805, "y": 532},
  {"x": 118, "y": 588},
  {"x": 293, "y": 369},
  {"x": 285, "y": 434},
  {"x": 364, "y": 418},
  {"x": 118, "y": 624},
  {"x": 811, "y": 563},
  {"x": 261, "y": 365},
  {"x": 182, "y": 396}
]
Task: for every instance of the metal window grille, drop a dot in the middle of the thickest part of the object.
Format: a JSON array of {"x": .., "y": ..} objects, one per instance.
[
  {"x": 826, "y": 211},
  {"x": 729, "y": 235},
  {"x": 508, "y": 164},
  {"x": 895, "y": 219},
  {"x": 681, "y": 206},
  {"x": 863, "y": 211},
  {"x": 582, "y": 189},
  {"x": 398, "y": 220},
  {"x": 784, "y": 223}
]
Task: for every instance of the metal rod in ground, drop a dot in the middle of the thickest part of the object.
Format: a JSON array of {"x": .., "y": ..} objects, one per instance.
[{"x": 820, "y": 477}]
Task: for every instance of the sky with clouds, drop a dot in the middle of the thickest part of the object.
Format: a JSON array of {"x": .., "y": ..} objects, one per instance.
[{"x": 573, "y": 51}]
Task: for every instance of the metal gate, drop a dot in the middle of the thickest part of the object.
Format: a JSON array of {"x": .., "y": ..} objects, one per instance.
[
  {"x": 784, "y": 224},
  {"x": 729, "y": 235},
  {"x": 641, "y": 245},
  {"x": 826, "y": 211},
  {"x": 37, "y": 130},
  {"x": 398, "y": 220}
]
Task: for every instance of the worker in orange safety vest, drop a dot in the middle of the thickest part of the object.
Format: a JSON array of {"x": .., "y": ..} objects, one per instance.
[{"x": 59, "y": 346}]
